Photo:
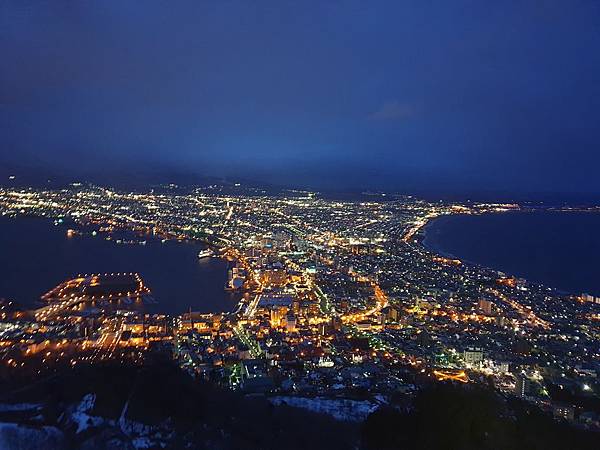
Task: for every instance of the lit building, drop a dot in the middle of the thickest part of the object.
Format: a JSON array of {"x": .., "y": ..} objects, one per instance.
[
  {"x": 485, "y": 306},
  {"x": 473, "y": 357},
  {"x": 290, "y": 323},
  {"x": 522, "y": 386}
]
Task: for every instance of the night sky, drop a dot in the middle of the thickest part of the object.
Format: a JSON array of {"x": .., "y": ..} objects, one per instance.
[{"x": 402, "y": 95}]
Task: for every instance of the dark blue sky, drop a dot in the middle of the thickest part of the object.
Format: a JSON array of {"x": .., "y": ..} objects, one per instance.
[{"x": 448, "y": 95}]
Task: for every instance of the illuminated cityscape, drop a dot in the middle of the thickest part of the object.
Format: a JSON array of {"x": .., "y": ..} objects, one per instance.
[
  {"x": 282, "y": 225},
  {"x": 337, "y": 297}
]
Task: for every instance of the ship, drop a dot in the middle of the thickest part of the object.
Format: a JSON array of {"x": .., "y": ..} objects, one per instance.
[{"x": 206, "y": 253}]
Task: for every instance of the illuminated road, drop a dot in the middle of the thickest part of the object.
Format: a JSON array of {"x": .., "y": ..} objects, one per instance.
[
  {"x": 417, "y": 226},
  {"x": 108, "y": 342},
  {"x": 252, "y": 306},
  {"x": 526, "y": 313},
  {"x": 450, "y": 375},
  {"x": 381, "y": 302},
  {"x": 252, "y": 345}
]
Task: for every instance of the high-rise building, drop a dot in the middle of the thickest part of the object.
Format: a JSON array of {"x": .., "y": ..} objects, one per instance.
[
  {"x": 473, "y": 356},
  {"x": 485, "y": 306},
  {"x": 290, "y": 322},
  {"x": 277, "y": 315},
  {"x": 522, "y": 386}
]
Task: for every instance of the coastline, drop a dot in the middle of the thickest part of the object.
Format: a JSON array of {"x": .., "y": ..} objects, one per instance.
[
  {"x": 423, "y": 239},
  {"x": 565, "y": 277},
  {"x": 23, "y": 241}
]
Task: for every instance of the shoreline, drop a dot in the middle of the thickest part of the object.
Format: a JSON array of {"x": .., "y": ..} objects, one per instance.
[
  {"x": 166, "y": 304},
  {"x": 421, "y": 239}
]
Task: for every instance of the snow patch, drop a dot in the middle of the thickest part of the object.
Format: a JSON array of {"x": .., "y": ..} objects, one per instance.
[
  {"x": 81, "y": 417},
  {"x": 87, "y": 403},
  {"x": 339, "y": 408},
  {"x": 20, "y": 437},
  {"x": 142, "y": 442},
  {"x": 8, "y": 407}
]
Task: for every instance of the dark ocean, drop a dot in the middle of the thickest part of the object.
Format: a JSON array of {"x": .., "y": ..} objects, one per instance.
[
  {"x": 558, "y": 249},
  {"x": 35, "y": 256}
]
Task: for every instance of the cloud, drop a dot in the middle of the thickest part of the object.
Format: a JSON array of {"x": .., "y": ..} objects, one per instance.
[{"x": 393, "y": 110}]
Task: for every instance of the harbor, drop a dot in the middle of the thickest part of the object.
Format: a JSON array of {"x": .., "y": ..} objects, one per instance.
[{"x": 171, "y": 269}]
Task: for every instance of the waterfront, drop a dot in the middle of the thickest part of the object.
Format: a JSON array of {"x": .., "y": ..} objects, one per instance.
[
  {"x": 340, "y": 287},
  {"x": 36, "y": 255},
  {"x": 558, "y": 249}
]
